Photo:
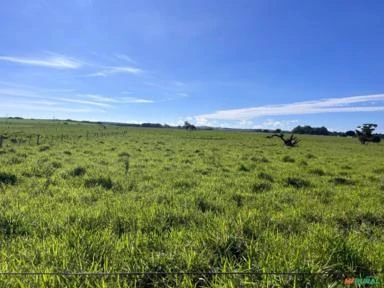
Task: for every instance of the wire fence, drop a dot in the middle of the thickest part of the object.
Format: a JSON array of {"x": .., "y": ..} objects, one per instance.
[{"x": 135, "y": 273}]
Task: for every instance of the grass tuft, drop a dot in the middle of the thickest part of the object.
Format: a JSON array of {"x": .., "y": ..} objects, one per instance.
[
  {"x": 78, "y": 171},
  {"x": 105, "y": 182},
  {"x": 288, "y": 159},
  {"x": 261, "y": 187},
  {"x": 297, "y": 182},
  {"x": 8, "y": 178},
  {"x": 342, "y": 181}
]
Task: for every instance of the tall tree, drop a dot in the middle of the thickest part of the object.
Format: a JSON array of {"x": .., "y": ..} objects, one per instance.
[{"x": 365, "y": 133}]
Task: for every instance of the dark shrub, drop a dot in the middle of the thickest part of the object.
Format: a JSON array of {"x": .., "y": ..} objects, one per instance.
[
  {"x": 264, "y": 160},
  {"x": 310, "y": 156},
  {"x": 261, "y": 187},
  {"x": 234, "y": 248},
  {"x": 12, "y": 225},
  {"x": 346, "y": 167},
  {"x": 342, "y": 181},
  {"x": 297, "y": 182},
  {"x": 205, "y": 206},
  {"x": 265, "y": 176},
  {"x": 44, "y": 148},
  {"x": 78, "y": 171},
  {"x": 238, "y": 199},
  {"x": 288, "y": 159},
  {"x": 244, "y": 168},
  {"x": 124, "y": 154},
  {"x": 7, "y": 178},
  {"x": 317, "y": 171},
  {"x": 104, "y": 182},
  {"x": 56, "y": 164}
]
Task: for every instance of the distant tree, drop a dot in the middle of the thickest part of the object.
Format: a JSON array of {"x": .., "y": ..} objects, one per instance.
[
  {"x": 292, "y": 141},
  {"x": 311, "y": 130},
  {"x": 151, "y": 125},
  {"x": 350, "y": 133},
  {"x": 365, "y": 134},
  {"x": 189, "y": 126}
]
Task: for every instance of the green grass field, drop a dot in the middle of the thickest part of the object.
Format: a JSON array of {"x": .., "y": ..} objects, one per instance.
[{"x": 109, "y": 199}]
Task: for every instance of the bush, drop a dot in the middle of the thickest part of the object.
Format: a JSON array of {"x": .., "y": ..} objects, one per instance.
[
  {"x": 7, "y": 178},
  {"x": 44, "y": 148},
  {"x": 297, "y": 182},
  {"x": 104, "y": 182},
  {"x": 78, "y": 171},
  {"x": 342, "y": 181},
  {"x": 265, "y": 176},
  {"x": 288, "y": 159},
  {"x": 261, "y": 187},
  {"x": 244, "y": 168},
  {"x": 317, "y": 171}
]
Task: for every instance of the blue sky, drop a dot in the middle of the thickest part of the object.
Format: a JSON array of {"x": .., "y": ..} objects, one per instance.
[{"x": 248, "y": 64}]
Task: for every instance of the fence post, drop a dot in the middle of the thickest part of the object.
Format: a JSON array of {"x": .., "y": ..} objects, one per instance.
[
  {"x": 1, "y": 141},
  {"x": 38, "y": 140}
]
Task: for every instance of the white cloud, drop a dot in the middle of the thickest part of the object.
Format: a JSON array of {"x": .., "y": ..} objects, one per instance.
[
  {"x": 331, "y": 105},
  {"x": 47, "y": 107},
  {"x": 247, "y": 124},
  {"x": 56, "y": 61},
  {"x": 135, "y": 100},
  {"x": 125, "y": 58},
  {"x": 99, "y": 98},
  {"x": 117, "y": 70},
  {"x": 104, "y": 99},
  {"x": 80, "y": 101},
  {"x": 276, "y": 124}
]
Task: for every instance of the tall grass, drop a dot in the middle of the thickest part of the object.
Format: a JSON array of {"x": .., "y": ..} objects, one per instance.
[{"x": 201, "y": 202}]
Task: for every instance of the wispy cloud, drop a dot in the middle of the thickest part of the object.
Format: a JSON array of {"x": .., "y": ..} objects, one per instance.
[
  {"x": 135, "y": 100},
  {"x": 117, "y": 70},
  {"x": 121, "y": 100},
  {"x": 100, "y": 98},
  {"x": 247, "y": 124},
  {"x": 16, "y": 96},
  {"x": 331, "y": 105},
  {"x": 125, "y": 58},
  {"x": 47, "y": 107},
  {"x": 275, "y": 124},
  {"x": 55, "y": 61},
  {"x": 80, "y": 101}
]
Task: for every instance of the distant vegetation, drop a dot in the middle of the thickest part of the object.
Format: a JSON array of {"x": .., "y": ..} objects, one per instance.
[
  {"x": 189, "y": 126},
  {"x": 365, "y": 133},
  {"x": 311, "y": 130}
]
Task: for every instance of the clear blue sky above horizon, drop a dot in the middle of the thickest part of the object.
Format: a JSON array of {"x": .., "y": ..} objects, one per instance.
[{"x": 248, "y": 64}]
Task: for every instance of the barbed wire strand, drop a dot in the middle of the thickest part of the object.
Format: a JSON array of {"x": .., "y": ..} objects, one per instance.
[{"x": 128, "y": 273}]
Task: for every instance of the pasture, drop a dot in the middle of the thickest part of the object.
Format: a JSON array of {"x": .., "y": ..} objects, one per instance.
[{"x": 111, "y": 199}]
